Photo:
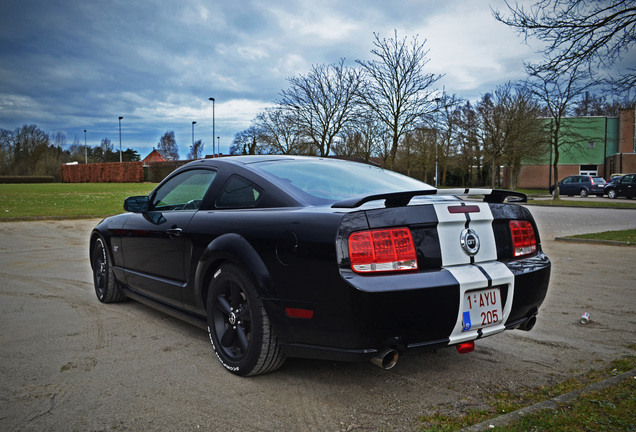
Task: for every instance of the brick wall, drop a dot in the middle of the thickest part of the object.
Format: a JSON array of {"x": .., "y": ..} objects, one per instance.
[
  {"x": 113, "y": 172},
  {"x": 536, "y": 176},
  {"x": 622, "y": 163},
  {"x": 626, "y": 131}
]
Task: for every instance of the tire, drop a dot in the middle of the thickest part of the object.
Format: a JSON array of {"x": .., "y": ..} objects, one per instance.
[
  {"x": 106, "y": 286},
  {"x": 238, "y": 326},
  {"x": 611, "y": 194},
  {"x": 583, "y": 193}
]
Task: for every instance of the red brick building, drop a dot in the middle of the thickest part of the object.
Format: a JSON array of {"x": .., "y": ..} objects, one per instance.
[{"x": 602, "y": 146}]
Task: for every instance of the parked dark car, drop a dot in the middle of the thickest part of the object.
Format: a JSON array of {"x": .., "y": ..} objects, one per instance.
[
  {"x": 581, "y": 185},
  {"x": 282, "y": 256},
  {"x": 615, "y": 178},
  {"x": 622, "y": 186}
]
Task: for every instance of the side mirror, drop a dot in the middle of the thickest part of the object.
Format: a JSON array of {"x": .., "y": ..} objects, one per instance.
[{"x": 137, "y": 204}]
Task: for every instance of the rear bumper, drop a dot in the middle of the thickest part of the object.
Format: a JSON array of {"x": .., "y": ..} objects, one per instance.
[{"x": 422, "y": 315}]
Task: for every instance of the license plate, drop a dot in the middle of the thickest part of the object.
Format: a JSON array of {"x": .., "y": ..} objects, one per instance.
[{"x": 482, "y": 308}]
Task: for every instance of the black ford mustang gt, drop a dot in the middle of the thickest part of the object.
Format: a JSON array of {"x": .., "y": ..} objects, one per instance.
[{"x": 282, "y": 256}]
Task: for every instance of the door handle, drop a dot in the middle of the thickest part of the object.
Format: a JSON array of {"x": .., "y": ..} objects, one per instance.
[{"x": 174, "y": 232}]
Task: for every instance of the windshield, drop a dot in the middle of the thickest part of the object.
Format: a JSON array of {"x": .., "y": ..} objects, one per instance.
[{"x": 337, "y": 180}]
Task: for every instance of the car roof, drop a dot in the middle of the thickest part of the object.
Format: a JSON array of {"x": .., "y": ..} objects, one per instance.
[
  {"x": 251, "y": 167},
  {"x": 251, "y": 159}
]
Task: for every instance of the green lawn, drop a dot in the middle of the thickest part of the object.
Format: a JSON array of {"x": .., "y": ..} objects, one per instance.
[
  {"x": 627, "y": 236},
  {"x": 597, "y": 203},
  {"x": 69, "y": 200}
]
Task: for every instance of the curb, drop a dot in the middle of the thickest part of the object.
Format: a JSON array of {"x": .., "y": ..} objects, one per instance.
[
  {"x": 592, "y": 241},
  {"x": 553, "y": 403}
]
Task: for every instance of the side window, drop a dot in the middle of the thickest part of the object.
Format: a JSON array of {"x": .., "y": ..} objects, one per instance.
[
  {"x": 239, "y": 192},
  {"x": 628, "y": 179},
  {"x": 567, "y": 180},
  {"x": 184, "y": 191}
]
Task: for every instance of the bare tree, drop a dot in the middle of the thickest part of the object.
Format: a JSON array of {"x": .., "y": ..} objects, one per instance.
[
  {"x": 324, "y": 102},
  {"x": 447, "y": 124},
  {"x": 196, "y": 150},
  {"x": 398, "y": 90},
  {"x": 106, "y": 145},
  {"x": 362, "y": 139},
  {"x": 510, "y": 128},
  {"x": 168, "y": 144},
  {"x": 30, "y": 146},
  {"x": 492, "y": 131},
  {"x": 579, "y": 33},
  {"x": 526, "y": 138},
  {"x": 280, "y": 131},
  {"x": 470, "y": 154},
  {"x": 249, "y": 142},
  {"x": 557, "y": 93},
  {"x": 59, "y": 139},
  {"x": 6, "y": 150},
  {"x": 596, "y": 105},
  {"x": 416, "y": 155}
]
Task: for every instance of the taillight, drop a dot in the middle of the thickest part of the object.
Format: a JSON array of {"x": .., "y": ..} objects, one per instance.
[
  {"x": 524, "y": 241},
  {"x": 382, "y": 250}
]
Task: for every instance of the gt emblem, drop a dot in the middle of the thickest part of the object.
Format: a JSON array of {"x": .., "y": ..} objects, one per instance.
[{"x": 469, "y": 241}]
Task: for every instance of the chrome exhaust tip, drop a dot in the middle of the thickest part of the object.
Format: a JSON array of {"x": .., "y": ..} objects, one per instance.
[{"x": 386, "y": 359}]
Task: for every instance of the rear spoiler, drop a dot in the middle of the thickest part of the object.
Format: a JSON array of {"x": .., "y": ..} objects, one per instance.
[
  {"x": 490, "y": 195},
  {"x": 399, "y": 199}
]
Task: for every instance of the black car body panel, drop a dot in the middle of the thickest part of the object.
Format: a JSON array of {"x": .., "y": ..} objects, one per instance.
[
  {"x": 624, "y": 186},
  {"x": 293, "y": 246}
]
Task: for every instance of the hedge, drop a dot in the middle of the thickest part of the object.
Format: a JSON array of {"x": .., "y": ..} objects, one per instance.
[
  {"x": 113, "y": 172},
  {"x": 27, "y": 179}
]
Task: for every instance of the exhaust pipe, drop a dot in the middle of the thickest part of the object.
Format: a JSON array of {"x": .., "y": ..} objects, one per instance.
[
  {"x": 528, "y": 325},
  {"x": 386, "y": 359}
]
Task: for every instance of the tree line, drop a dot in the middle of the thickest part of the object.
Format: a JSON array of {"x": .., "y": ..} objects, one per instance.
[
  {"x": 390, "y": 109},
  {"x": 29, "y": 150}
]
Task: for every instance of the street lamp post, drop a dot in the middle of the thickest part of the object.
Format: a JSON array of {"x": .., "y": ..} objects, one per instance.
[
  {"x": 218, "y": 141},
  {"x": 85, "y": 150},
  {"x": 120, "y": 158},
  {"x": 437, "y": 101},
  {"x": 193, "y": 123},
  {"x": 213, "y": 131}
]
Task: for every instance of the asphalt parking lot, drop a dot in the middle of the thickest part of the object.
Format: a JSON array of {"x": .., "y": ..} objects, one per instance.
[{"x": 68, "y": 362}]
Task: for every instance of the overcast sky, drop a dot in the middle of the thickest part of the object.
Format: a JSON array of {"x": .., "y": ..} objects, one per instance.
[{"x": 70, "y": 65}]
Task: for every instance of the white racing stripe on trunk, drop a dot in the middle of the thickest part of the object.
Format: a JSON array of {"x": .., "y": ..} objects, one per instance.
[
  {"x": 482, "y": 272},
  {"x": 471, "y": 277},
  {"x": 450, "y": 227}
]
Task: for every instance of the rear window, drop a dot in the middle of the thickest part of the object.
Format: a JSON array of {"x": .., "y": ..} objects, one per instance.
[
  {"x": 598, "y": 180},
  {"x": 336, "y": 180}
]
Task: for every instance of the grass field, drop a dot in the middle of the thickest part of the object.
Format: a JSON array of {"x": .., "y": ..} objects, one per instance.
[
  {"x": 76, "y": 200},
  {"x": 68, "y": 200}
]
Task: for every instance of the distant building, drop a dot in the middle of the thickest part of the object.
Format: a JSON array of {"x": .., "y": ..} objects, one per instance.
[
  {"x": 600, "y": 146},
  {"x": 156, "y": 156}
]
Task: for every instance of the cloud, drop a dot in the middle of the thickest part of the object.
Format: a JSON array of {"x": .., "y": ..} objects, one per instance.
[{"x": 72, "y": 65}]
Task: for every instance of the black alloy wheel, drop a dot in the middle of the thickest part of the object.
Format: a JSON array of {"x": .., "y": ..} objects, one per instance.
[
  {"x": 238, "y": 325},
  {"x": 611, "y": 194},
  {"x": 106, "y": 287},
  {"x": 583, "y": 193}
]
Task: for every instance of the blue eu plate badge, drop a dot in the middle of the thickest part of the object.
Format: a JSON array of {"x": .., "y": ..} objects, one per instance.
[{"x": 466, "y": 321}]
